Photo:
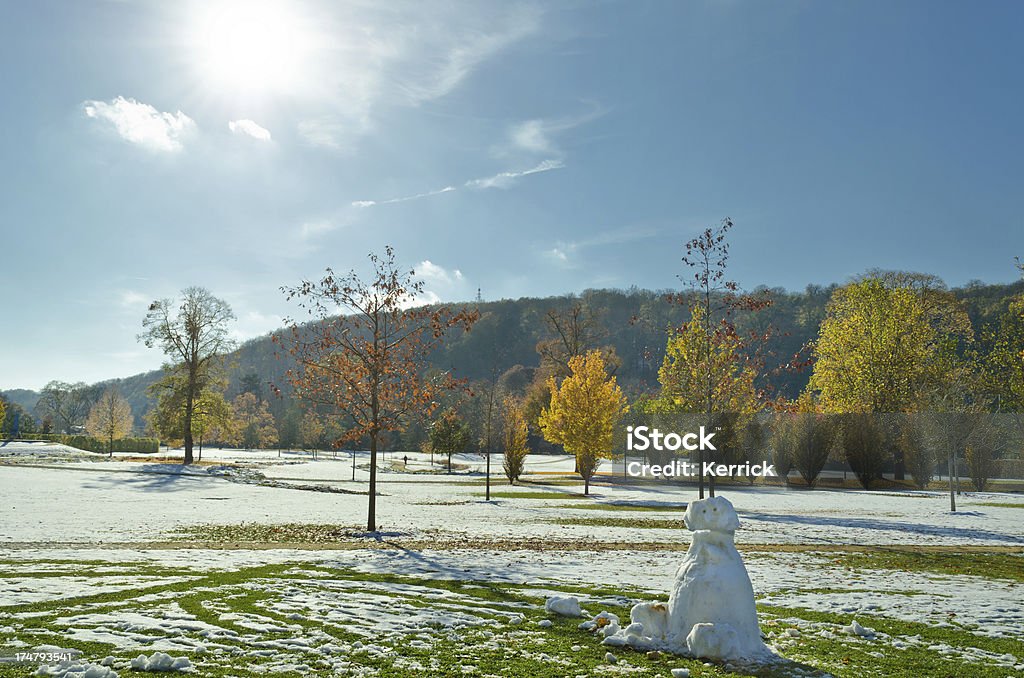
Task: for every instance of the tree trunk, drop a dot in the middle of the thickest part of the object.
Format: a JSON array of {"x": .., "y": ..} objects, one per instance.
[
  {"x": 952, "y": 495},
  {"x": 371, "y": 519},
  {"x": 700, "y": 474},
  {"x": 487, "y": 496},
  {"x": 586, "y": 486}
]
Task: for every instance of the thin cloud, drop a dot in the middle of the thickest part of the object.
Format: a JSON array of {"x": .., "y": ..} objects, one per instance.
[
  {"x": 566, "y": 253},
  {"x": 379, "y": 64},
  {"x": 391, "y": 201},
  {"x": 141, "y": 124},
  {"x": 537, "y": 136},
  {"x": 130, "y": 298},
  {"x": 249, "y": 128},
  {"x": 500, "y": 180},
  {"x": 506, "y": 179}
]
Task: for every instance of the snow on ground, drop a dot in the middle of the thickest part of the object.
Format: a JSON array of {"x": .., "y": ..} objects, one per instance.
[
  {"x": 66, "y": 508},
  {"x": 163, "y": 497}
]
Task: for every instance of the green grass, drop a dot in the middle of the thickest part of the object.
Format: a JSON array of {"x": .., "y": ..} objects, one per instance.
[
  {"x": 495, "y": 648},
  {"x": 996, "y": 503},
  {"x": 990, "y": 565}
]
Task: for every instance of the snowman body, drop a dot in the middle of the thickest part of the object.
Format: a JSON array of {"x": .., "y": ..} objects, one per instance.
[{"x": 711, "y": 611}]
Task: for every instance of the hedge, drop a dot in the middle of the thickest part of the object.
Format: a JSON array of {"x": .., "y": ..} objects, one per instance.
[{"x": 93, "y": 444}]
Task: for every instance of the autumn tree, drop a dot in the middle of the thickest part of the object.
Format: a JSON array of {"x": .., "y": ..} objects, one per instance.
[
  {"x": 367, "y": 364},
  {"x": 193, "y": 333},
  {"x": 514, "y": 433},
  {"x": 110, "y": 418},
  {"x": 583, "y": 413},
  {"x": 252, "y": 422},
  {"x": 720, "y": 379},
  {"x": 449, "y": 435},
  {"x": 1004, "y": 359},
  {"x": 212, "y": 417},
  {"x": 311, "y": 431},
  {"x": 872, "y": 350}
]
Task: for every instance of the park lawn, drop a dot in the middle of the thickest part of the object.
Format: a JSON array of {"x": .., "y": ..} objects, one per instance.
[{"x": 318, "y": 619}]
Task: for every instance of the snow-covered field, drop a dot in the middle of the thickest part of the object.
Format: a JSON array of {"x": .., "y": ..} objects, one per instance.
[{"x": 101, "y": 555}]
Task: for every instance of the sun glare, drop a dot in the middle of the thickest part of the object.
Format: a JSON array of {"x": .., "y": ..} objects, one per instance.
[{"x": 252, "y": 46}]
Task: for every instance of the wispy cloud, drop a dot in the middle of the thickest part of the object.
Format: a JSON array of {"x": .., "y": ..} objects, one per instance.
[
  {"x": 142, "y": 124},
  {"x": 538, "y": 135},
  {"x": 506, "y": 179},
  {"x": 131, "y": 298},
  {"x": 380, "y": 63},
  {"x": 249, "y": 128},
  {"x": 500, "y": 180},
  {"x": 565, "y": 253},
  {"x": 389, "y": 201}
]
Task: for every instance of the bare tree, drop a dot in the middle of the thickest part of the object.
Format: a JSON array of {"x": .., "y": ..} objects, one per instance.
[
  {"x": 194, "y": 335},
  {"x": 66, "y": 404}
]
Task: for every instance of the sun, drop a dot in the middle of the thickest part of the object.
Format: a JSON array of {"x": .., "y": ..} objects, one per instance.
[{"x": 252, "y": 46}]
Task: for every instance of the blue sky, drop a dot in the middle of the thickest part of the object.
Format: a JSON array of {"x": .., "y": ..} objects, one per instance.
[{"x": 523, "y": 149}]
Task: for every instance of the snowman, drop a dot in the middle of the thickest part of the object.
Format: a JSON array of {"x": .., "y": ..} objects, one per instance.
[{"x": 710, "y": 612}]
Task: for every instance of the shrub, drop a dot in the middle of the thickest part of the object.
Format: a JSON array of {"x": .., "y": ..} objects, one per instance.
[
  {"x": 812, "y": 438},
  {"x": 862, "y": 440}
]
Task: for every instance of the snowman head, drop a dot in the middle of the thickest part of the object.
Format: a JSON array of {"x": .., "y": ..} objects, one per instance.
[{"x": 715, "y": 514}]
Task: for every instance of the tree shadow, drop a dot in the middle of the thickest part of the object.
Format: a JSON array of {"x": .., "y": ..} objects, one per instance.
[
  {"x": 156, "y": 478},
  {"x": 947, "y": 532}
]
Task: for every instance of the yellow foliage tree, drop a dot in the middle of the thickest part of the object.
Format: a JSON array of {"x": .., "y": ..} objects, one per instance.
[
  {"x": 706, "y": 372},
  {"x": 513, "y": 437},
  {"x": 884, "y": 346},
  {"x": 583, "y": 413},
  {"x": 110, "y": 418}
]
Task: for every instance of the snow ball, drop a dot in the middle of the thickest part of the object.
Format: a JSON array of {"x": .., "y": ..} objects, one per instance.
[
  {"x": 610, "y": 658},
  {"x": 545, "y": 623},
  {"x": 576, "y": 648},
  {"x": 635, "y": 629},
  {"x": 680, "y": 673},
  {"x": 855, "y": 629},
  {"x": 160, "y": 661},
  {"x": 566, "y": 606}
]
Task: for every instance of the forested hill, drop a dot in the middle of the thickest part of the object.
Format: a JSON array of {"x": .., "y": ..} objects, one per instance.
[{"x": 633, "y": 321}]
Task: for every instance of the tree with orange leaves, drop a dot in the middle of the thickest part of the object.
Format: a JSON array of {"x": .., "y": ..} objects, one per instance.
[{"x": 367, "y": 363}]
